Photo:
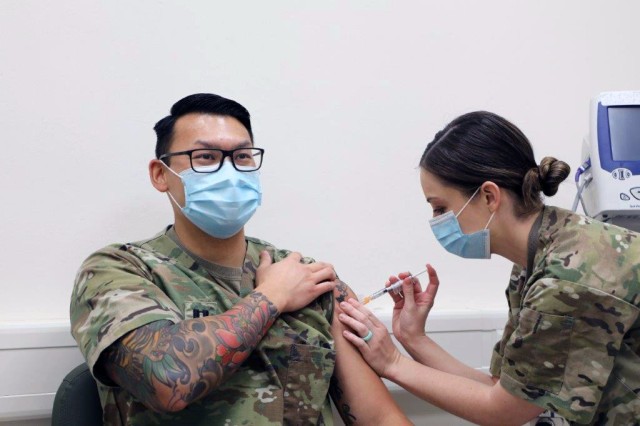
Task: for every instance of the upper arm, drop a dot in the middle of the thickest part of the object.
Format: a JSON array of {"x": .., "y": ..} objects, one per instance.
[
  {"x": 114, "y": 295},
  {"x": 129, "y": 362},
  {"x": 352, "y": 376}
]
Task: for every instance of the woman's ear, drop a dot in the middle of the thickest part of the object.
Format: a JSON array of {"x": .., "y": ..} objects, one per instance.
[{"x": 491, "y": 195}]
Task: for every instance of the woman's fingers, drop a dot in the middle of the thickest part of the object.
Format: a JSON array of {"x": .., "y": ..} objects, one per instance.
[
  {"x": 408, "y": 290},
  {"x": 356, "y": 341},
  {"x": 354, "y": 324},
  {"x": 403, "y": 275},
  {"x": 396, "y": 296},
  {"x": 392, "y": 280},
  {"x": 354, "y": 309},
  {"x": 433, "y": 275},
  {"x": 363, "y": 314},
  {"x": 434, "y": 283}
]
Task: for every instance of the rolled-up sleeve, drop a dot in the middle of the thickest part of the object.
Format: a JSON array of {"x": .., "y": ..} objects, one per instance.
[{"x": 113, "y": 295}]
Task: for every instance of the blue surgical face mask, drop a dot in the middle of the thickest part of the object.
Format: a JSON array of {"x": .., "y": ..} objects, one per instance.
[
  {"x": 447, "y": 230},
  {"x": 220, "y": 203}
]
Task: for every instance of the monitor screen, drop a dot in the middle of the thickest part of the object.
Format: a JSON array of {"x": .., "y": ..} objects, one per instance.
[{"x": 624, "y": 128}]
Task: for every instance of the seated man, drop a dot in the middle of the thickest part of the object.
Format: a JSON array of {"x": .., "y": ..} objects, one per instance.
[{"x": 202, "y": 325}]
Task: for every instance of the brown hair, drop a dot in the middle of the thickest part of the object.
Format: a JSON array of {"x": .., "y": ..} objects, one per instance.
[{"x": 481, "y": 146}]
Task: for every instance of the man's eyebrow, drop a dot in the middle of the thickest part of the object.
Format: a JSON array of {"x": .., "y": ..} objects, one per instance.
[{"x": 213, "y": 145}]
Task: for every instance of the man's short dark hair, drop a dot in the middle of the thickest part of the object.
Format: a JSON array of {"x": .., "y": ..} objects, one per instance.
[{"x": 203, "y": 103}]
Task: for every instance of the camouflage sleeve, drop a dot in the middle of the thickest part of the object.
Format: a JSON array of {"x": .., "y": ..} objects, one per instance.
[
  {"x": 518, "y": 275},
  {"x": 327, "y": 299},
  {"x": 113, "y": 295},
  {"x": 562, "y": 352}
]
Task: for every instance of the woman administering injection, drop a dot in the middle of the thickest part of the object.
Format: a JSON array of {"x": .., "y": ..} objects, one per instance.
[{"x": 571, "y": 345}]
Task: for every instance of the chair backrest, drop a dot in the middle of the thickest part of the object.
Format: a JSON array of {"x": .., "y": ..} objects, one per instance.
[{"x": 77, "y": 401}]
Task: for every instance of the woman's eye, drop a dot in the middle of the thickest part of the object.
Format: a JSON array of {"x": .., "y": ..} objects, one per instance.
[{"x": 438, "y": 211}]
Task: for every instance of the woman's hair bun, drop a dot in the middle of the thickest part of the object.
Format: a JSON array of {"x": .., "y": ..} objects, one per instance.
[{"x": 551, "y": 173}]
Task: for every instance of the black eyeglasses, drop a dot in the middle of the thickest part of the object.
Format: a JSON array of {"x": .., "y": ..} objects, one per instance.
[{"x": 210, "y": 160}]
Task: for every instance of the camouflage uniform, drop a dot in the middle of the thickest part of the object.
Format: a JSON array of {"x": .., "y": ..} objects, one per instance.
[
  {"x": 286, "y": 378},
  {"x": 572, "y": 341}
]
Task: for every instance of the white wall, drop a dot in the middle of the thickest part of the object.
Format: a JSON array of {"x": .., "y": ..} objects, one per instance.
[{"x": 344, "y": 98}]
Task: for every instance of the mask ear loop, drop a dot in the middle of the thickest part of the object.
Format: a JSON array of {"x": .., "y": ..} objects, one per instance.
[
  {"x": 468, "y": 201},
  {"x": 169, "y": 192},
  {"x": 490, "y": 219}
]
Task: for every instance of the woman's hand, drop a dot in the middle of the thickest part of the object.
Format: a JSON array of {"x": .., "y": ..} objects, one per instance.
[
  {"x": 412, "y": 307},
  {"x": 379, "y": 351}
]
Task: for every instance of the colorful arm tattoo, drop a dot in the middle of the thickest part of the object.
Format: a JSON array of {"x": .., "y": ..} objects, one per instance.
[{"x": 167, "y": 366}]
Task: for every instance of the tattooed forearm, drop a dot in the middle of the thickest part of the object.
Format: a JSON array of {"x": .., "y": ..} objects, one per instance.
[
  {"x": 167, "y": 366},
  {"x": 337, "y": 395}
]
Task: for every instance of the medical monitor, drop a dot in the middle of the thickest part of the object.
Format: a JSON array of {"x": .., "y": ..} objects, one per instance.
[
  {"x": 612, "y": 182},
  {"x": 624, "y": 133},
  {"x": 619, "y": 137}
]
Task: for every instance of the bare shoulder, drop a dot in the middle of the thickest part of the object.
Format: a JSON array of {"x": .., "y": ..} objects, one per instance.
[{"x": 342, "y": 292}]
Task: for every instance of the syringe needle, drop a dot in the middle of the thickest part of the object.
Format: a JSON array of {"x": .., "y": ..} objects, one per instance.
[{"x": 380, "y": 292}]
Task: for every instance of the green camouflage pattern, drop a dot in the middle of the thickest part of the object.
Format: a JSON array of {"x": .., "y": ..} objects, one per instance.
[
  {"x": 571, "y": 344},
  {"x": 284, "y": 381}
]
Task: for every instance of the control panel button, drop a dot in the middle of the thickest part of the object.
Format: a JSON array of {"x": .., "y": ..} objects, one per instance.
[
  {"x": 635, "y": 192},
  {"x": 621, "y": 174},
  {"x": 624, "y": 197}
]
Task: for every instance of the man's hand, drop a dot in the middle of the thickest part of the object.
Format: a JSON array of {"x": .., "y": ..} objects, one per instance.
[{"x": 291, "y": 285}]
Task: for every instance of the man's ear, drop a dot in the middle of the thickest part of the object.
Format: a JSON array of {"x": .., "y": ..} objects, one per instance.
[
  {"x": 491, "y": 195},
  {"x": 158, "y": 175}
]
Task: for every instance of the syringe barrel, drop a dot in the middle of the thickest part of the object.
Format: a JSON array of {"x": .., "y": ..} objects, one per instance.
[{"x": 378, "y": 294}]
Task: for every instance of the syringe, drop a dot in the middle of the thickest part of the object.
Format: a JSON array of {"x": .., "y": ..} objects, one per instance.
[{"x": 386, "y": 290}]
